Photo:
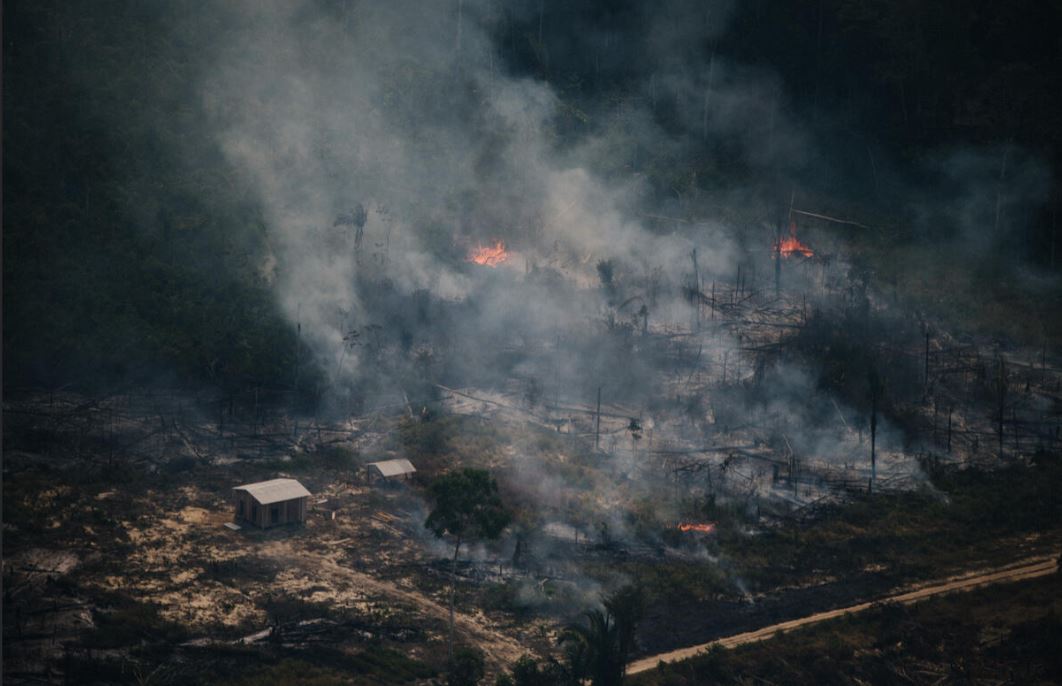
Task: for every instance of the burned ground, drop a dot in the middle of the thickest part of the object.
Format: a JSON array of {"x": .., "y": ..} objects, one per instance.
[
  {"x": 753, "y": 307},
  {"x": 1005, "y": 634},
  {"x": 117, "y": 563}
]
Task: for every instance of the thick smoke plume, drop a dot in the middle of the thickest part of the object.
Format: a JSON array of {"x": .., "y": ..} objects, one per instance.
[{"x": 386, "y": 141}]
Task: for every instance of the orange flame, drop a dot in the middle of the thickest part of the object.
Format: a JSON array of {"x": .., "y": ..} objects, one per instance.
[
  {"x": 790, "y": 246},
  {"x": 490, "y": 256},
  {"x": 705, "y": 528}
]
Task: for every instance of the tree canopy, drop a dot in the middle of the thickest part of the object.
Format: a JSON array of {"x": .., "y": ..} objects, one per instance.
[
  {"x": 467, "y": 506},
  {"x": 599, "y": 649}
]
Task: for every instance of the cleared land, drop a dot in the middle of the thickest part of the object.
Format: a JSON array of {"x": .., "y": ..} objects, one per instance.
[{"x": 1026, "y": 569}]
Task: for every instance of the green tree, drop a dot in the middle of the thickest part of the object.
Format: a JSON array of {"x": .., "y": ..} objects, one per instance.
[
  {"x": 592, "y": 650},
  {"x": 466, "y": 668},
  {"x": 527, "y": 672},
  {"x": 598, "y": 650},
  {"x": 466, "y": 507}
]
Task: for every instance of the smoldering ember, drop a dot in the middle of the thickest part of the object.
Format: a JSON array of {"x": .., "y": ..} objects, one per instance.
[{"x": 523, "y": 342}]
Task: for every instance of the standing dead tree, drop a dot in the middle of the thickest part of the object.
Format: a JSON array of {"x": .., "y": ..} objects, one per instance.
[
  {"x": 1001, "y": 406},
  {"x": 875, "y": 392}
]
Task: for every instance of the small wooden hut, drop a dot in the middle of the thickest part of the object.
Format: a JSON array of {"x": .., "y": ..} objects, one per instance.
[
  {"x": 390, "y": 470},
  {"x": 271, "y": 503}
]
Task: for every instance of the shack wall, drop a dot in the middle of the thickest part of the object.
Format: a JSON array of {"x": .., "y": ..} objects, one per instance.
[{"x": 265, "y": 516}]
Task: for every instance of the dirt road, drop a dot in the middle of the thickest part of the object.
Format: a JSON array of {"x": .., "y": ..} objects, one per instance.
[{"x": 1026, "y": 569}]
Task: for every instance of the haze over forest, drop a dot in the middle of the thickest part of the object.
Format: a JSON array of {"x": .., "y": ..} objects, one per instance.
[
  {"x": 528, "y": 343},
  {"x": 201, "y": 151}
]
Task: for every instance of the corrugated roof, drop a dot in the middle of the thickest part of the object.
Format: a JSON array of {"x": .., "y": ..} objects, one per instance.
[
  {"x": 275, "y": 490},
  {"x": 394, "y": 467}
]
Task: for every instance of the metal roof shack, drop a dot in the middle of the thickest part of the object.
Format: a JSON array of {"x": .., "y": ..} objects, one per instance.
[
  {"x": 390, "y": 469},
  {"x": 271, "y": 503}
]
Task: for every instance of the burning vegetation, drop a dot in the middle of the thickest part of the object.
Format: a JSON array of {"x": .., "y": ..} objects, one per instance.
[
  {"x": 489, "y": 255},
  {"x": 790, "y": 245},
  {"x": 699, "y": 527},
  {"x": 675, "y": 422}
]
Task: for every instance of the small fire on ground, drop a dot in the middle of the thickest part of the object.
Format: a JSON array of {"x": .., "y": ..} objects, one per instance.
[
  {"x": 490, "y": 255},
  {"x": 790, "y": 245},
  {"x": 702, "y": 527}
]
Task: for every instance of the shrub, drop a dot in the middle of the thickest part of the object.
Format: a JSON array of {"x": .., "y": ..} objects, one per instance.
[{"x": 466, "y": 668}]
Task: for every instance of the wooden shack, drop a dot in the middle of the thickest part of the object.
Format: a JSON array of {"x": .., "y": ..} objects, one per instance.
[
  {"x": 390, "y": 470},
  {"x": 271, "y": 503}
]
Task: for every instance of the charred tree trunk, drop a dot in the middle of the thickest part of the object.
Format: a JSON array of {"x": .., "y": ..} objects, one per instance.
[
  {"x": 696, "y": 299},
  {"x": 873, "y": 442},
  {"x": 875, "y": 391},
  {"x": 949, "y": 429},
  {"x": 453, "y": 594},
  {"x": 777, "y": 260},
  {"x": 597, "y": 421},
  {"x": 1002, "y": 392},
  {"x": 926, "y": 373}
]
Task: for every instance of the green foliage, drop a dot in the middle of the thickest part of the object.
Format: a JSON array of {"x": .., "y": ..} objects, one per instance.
[
  {"x": 598, "y": 650},
  {"x": 527, "y": 672},
  {"x": 466, "y": 668},
  {"x": 467, "y": 506},
  {"x": 627, "y": 607},
  {"x": 592, "y": 649}
]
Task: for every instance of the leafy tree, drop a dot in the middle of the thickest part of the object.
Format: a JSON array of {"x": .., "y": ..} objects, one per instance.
[
  {"x": 598, "y": 651},
  {"x": 527, "y": 672},
  {"x": 627, "y": 607},
  {"x": 467, "y": 507},
  {"x": 592, "y": 650},
  {"x": 466, "y": 668}
]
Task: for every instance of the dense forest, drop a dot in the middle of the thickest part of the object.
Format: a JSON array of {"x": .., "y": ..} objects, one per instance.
[{"x": 132, "y": 251}]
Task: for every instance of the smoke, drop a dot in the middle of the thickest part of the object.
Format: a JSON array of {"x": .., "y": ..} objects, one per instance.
[
  {"x": 405, "y": 110},
  {"x": 384, "y": 141},
  {"x": 983, "y": 199}
]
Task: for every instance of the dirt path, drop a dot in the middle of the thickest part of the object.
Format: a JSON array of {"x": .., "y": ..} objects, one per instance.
[
  {"x": 1026, "y": 569},
  {"x": 501, "y": 650}
]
